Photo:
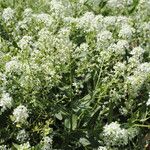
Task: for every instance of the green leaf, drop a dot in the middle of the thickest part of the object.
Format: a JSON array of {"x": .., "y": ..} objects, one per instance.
[
  {"x": 93, "y": 118},
  {"x": 84, "y": 141},
  {"x": 74, "y": 122},
  {"x": 59, "y": 116},
  {"x": 67, "y": 123}
]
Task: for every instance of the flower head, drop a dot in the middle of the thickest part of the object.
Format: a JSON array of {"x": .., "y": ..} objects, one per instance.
[
  {"x": 5, "y": 101},
  {"x": 20, "y": 114},
  {"x": 8, "y": 14}
]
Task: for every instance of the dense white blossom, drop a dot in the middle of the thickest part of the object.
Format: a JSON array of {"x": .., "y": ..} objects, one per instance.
[
  {"x": 121, "y": 46},
  {"x": 133, "y": 132},
  {"x": 104, "y": 36},
  {"x": 137, "y": 52},
  {"x": 126, "y": 31},
  {"x": 13, "y": 65},
  {"x": 25, "y": 42},
  {"x": 27, "y": 12},
  {"x": 110, "y": 20},
  {"x": 144, "y": 68},
  {"x": 47, "y": 143},
  {"x": 57, "y": 8},
  {"x": 120, "y": 67},
  {"x": 24, "y": 146},
  {"x": 102, "y": 148},
  {"x": 44, "y": 35},
  {"x": 3, "y": 147},
  {"x": 148, "y": 101},
  {"x": 116, "y": 3},
  {"x": 22, "y": 136},
  {"x": 136, "y": 81},
  {"x": 115, "y": 135},
  {"x": 8, "y": 14},
  {"x": 5, "y": 101},
  {"x": 44, "y": 18},
  {"x": 86, "y": 22},
  {"x": 20, "y": 114}
]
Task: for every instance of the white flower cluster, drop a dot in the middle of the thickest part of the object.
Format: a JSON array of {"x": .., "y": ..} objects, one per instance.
[
  {"x": 27, "y": 12},
  {"x": 132, "y": 132},
  {"x": 116, "y": 3},
  {"x": 137, "y": 52},
  {"x": 12, "y": 65},
  {"x": 3, "y": 147},
  {"x": 143, "y": 68},
  {"x": 148, "y": 102},
  {"x": 44, "y": 18},
  {"x": 120, "y": 47},
  {"x": 57, "y": 8},
  {"x": 126, "y": 31},
  {"x": 120, "y": 67},
  {"x": 136, "y": 81},
  {"x": 5, "y": 101},
  {"x": 104, "y": 36},
  {"x": 110, "y": 20},
  {"x": 20, "y": 114},
  {"x": 8, "y": 14},
  {"x": 114, "y": 135},
  {"x": 102, "y": 148},
  {"x": 25, "y": 42},
  {"x": 44, "y": 34},
  {"x": 86, "y": 22},
  {"x": 22, "y": 136},
  {"x": 47, "y": 143},
  {"x": 24, "y": 146}
]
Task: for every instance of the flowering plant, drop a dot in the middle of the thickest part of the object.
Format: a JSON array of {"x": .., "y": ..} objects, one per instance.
[{"x": 74, "y": 74}]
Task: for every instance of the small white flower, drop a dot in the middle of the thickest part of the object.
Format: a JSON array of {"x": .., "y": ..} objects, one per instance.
[
  {"x": 3, "y": 147},
  {"x": 144, "y": 68},
  {"x": 57, "y": 8},
  {"x": 82, "y": 1},
  {"x": 122, "y": 20},
  {"x": 102, "y": 148},
  {"x": 126, "y": 31},
  {"x": 121, "y": 46},
  {"x": 47, "y": 143},
  {"x": 120, "y": 67},
  {"x": 114, "y": 135},
  {"x": 104, "y": 36},
  {"x": 27, "y": 12},
  {"x": 44, "y": 18},
  {"x": 116, "y": 3},
  {"x": 44, "y": 35},
  {"x": 8, "y": 14},
  {"x": 137, "y": 52},
  {"x": 12, "y": 65},
  {"x": 148, "y": 102},
  {"x": 25, "y": 42},
  {"x": 22, "y": 136},
  {"x": 136, "y": 81},
  {"x": 86, "y": 22},
  {"x": 132, "y": 132},
  {"x": 113, "y": 47},
  {"x": 109, "y": 20},
  {"x": 20, "y": 114},
  {"x": 24, "y": 146},
  {"x": 5, "y": 101}
]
